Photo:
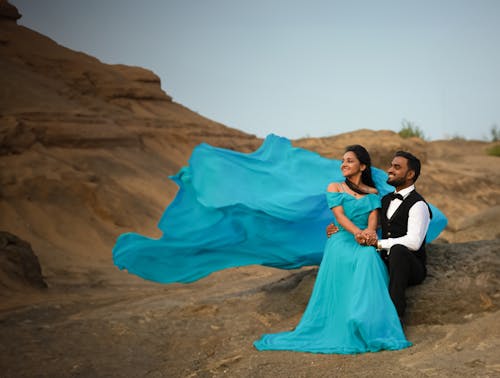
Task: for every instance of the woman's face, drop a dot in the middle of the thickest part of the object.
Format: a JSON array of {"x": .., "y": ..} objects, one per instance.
[{"x": 351, "y": 166}]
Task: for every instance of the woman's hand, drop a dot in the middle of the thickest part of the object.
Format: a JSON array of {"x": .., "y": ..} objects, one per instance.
[
  {"x": 360, "y": 238},
  {"x": 366, "y": 237},
  {"x": 369, "y": 236}
]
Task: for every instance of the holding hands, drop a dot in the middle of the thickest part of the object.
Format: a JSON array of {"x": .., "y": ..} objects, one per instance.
[{"x": 364, "y": 237}]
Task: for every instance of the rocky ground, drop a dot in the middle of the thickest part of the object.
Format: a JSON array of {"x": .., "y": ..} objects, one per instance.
[{"x": 206, "y": 329}]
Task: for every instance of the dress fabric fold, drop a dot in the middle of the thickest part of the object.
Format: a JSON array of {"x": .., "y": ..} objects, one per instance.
[{"x": 235, "y": 209}]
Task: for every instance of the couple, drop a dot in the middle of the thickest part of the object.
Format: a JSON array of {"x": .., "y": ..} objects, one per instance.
[
  {"x": 350, "y": 309},
  {"x": 269, "y": 208}
]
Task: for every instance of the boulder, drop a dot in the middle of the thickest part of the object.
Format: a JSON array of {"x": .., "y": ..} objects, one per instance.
[
  {"x": 463, "y": 280},
  {"x": 19, "y": 266}
]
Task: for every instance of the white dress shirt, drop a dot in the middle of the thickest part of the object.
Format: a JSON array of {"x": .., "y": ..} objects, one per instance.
[{"x": 418, "y": 223}]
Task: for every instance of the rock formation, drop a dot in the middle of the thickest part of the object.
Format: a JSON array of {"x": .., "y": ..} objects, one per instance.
[
  {"x": 79, "y": 141},
  {"x": 8, "y": 11}
]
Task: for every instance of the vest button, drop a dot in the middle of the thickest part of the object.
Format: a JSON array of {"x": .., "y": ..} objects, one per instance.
[{"x": 388, "y": 234}]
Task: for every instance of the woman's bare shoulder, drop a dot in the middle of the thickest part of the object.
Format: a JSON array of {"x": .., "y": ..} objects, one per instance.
[{"x": 334, "y": 187}]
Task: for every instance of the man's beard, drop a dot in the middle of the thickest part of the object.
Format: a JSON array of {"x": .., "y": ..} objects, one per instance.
[{"x": 396, "y": 182}]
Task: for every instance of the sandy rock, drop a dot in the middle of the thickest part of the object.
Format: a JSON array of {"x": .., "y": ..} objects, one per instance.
[
  {"x": 381, "y": 144},
  {"x": 79, "y": 140},
  {"x": 463, "y": 281}
]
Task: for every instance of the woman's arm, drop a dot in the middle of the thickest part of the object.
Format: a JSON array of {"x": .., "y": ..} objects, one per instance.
[
  {"x": 370, "y": 233},
  {"x": 338, "y": 212},
  {"x": 373, "y": 220}
]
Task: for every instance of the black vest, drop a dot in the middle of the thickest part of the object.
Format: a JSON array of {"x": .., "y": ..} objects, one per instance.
[{"x": 397, "y": 225}]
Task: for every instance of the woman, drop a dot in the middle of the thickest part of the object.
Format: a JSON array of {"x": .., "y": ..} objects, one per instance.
[{"x": 350, "y": 310}]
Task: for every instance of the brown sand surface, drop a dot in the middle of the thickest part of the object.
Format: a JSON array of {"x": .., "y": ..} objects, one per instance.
[{"x": 85, "y": 151}]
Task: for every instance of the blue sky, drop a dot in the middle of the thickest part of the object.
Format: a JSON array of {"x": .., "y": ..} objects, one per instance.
[{"x": 301, "y": 68}]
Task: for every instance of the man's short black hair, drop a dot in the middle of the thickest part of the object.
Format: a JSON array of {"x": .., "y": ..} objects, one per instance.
[{"x": 413, "y": 162}]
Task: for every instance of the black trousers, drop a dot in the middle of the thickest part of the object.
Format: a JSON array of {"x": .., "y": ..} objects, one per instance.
[{"x": 405, "y": 269}]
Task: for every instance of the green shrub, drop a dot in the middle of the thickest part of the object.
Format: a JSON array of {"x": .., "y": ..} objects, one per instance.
[
  {"x": 494, "y": 151},
  {"x": 495, "y": 133},
  {"x": 409, "y": 130}
]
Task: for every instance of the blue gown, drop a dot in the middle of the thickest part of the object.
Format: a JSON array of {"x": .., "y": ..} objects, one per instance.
[
  {"x": 350, "y": 310},
  {"x": 234, "y": 209}
]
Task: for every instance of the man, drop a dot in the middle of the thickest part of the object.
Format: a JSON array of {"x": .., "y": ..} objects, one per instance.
[{"x": 404, "y": 218}]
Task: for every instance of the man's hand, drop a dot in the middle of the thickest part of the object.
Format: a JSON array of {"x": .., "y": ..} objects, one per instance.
[{"x": 331, "y": 229}]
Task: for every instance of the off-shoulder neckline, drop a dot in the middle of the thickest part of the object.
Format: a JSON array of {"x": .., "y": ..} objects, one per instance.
[{"x": 356, "y": 198}]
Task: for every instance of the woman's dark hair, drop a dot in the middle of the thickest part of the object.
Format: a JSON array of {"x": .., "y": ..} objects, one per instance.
[
  {"x": 364, "y": 158},
  {"x": 413, "y": 162}
]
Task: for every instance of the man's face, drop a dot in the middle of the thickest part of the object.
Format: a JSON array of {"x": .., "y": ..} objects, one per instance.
[{"x": 398, "y": 172}]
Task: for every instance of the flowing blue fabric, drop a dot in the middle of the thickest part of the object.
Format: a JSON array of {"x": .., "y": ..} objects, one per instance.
[
  {"x": 350, "y": 310},
  {"x": 234, "y": 209}
]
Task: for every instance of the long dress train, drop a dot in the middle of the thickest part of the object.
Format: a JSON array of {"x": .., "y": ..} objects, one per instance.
[
  {"x": 233, "y": 209},
  {"x": 350, "y": 310}
]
